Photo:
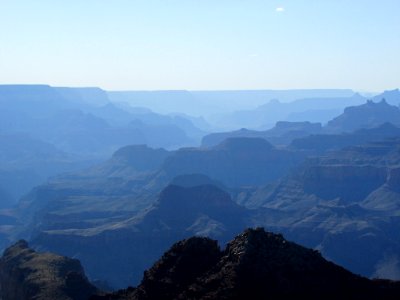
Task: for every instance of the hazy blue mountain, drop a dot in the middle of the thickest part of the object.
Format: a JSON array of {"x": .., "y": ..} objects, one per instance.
[
  {"x": 197, "y": 103},
  {"x": 84, "y": 121},
  {"x": 107, "y": 192},
  {"x": 83, "y": 133},
  {"x": 91, "y": 96},
  {"x": 96, "y": 102},
  {"x": 194, "y": 127},
  {"x": 336, "y": 202},
  {"x": 120, "y": 251},
  {"x": 315, "y": 115},
  {"x": 27, "y": 162},
  {"x": 130, "y": 181},
  {"x": 113, "y": 114},
  {"x": 326, "y": 103},
  {"x": 342, "y": 203},
  {"x": 178, "y": 101},
  {"x": 392, "y": 97},
  {"x": 270, "y": 112},
  {"x": 45, "y": 131},
  {"x": 370, "y": 114},
  {"x": 19, "y": 147},
  {"x": 140, "y": 157},
  {"x": 259, "y": 97},
  {"x": 320, "y": 143},
  {"x": 191, "y": 129},
  {"x": 199, "y": 122},
  {"x": 154, "y": 126},
  {"x": 283, "y": 133},
  {"x": 134, "y": 176},
  {"x": 181, "y": 130},
  {"x": 331, "y": 203},
  {"x": 235, "y": 162},
  {"x": 32, "y": 100},
  {"x": 42, "y": 101},
  {"x": 328, "y": 176}
]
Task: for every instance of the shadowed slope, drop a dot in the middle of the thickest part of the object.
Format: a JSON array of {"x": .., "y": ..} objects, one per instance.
[
  {"x": 26, "y": 274},
  {"x": 255, "y": 265}
]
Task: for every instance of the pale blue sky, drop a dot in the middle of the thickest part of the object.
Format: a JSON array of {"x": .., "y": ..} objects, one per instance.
[{"x": 201, "y": 44}]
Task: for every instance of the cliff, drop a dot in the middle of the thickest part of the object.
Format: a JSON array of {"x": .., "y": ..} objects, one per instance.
[{"x": 26, "y": 274}]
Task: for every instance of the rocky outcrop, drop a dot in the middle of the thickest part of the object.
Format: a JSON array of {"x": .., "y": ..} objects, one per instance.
[
  {"x": 368, "y": 115},
  {"x": 26, "y": 274},
  {"x": 178, "y": 268},
  {"x": 255, "y": 265},
  {"x": 391, "y": 96}
]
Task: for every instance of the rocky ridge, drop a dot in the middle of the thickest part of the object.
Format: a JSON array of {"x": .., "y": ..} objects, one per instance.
[
  {"x": 26, "y": 274},
  {"x": 255, "y": 265}
]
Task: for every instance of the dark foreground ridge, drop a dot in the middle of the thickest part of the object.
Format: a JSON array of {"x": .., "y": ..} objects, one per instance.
[
  {"x": 255, "y": 265},
  {"x": 26, "y": 274}
]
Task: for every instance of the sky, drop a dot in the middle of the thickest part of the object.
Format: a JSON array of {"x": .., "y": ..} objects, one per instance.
[{"x": 201, "y": 44}]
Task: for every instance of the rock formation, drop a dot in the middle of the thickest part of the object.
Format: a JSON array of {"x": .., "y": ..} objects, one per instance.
[
  {"x": 255, "y": 265},
  {"x": 26, "y": 274}
]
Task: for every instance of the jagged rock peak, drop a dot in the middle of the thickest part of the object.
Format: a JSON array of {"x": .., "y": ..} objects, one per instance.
[
  {"x": 256, "y": 265},
  {"x": 252, "y": 239},
  {"x": 178, "y": 268},
  {"x": 382, "y": 101},
  {"x": 20, "y": 244}
]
